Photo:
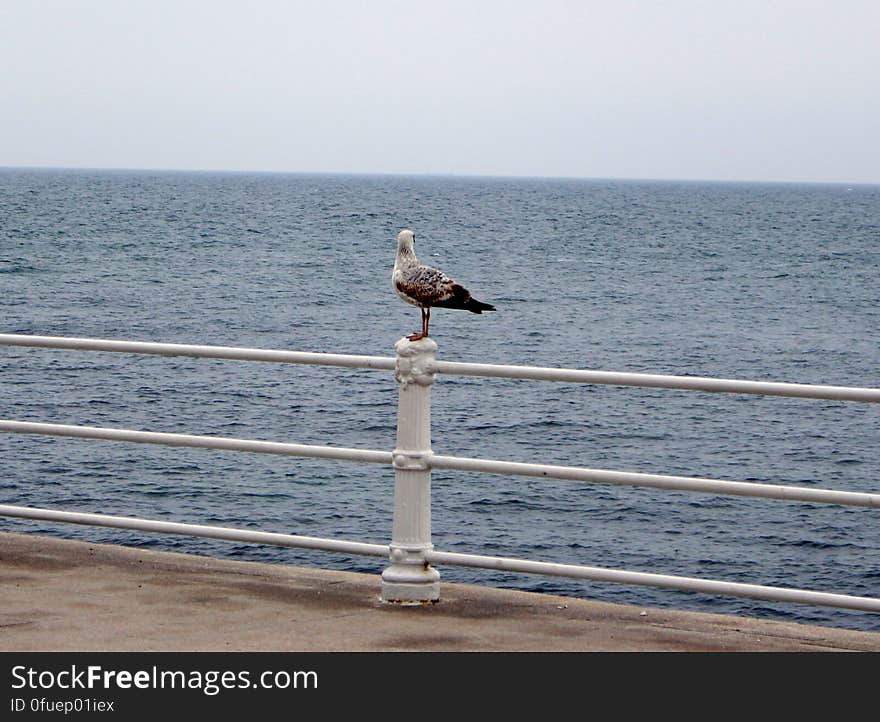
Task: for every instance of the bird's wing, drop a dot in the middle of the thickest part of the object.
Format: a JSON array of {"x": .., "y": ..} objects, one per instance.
[{"x": 425, "y": 285}]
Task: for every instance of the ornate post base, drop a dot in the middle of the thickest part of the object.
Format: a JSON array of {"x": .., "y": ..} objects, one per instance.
[{"x": 409, "y": 579}]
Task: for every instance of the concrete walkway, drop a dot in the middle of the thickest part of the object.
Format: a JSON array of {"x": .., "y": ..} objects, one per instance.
[{"x": 59, "y": 595}]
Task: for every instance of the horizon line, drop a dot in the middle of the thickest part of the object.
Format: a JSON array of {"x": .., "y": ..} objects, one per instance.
[{"x": 432, "y": 174}]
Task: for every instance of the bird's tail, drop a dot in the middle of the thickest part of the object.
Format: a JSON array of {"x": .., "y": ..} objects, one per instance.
[{"x": 475, "y": 306}]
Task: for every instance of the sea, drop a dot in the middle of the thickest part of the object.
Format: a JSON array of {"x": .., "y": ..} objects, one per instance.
[{"x": 756, "y": 281}]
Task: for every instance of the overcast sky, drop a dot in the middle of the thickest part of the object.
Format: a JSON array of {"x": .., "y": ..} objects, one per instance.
[{"x": 719, "y": 89}]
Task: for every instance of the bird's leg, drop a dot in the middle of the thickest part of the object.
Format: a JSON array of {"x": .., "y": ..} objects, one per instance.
[{"x": 426, "y": 314}]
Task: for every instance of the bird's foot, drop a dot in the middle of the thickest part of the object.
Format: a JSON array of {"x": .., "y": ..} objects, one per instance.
[{"x": 417, "y": 336}]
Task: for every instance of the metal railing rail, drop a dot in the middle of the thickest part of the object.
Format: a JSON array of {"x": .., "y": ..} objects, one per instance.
[
  {"x": 232, "y": 353},
  {"x": 409, "y": 578},
  {"x": 455, "y": 463},
  {"x": 199, "y": 530},
  {"x": 388, "y": 363},
  {"x": 683, "y": 383},
  {"x": 222, "y": 443},
  {"x": 755, "y": 591}
]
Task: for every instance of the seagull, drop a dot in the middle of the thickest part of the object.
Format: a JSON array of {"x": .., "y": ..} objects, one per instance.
[{"x": 426, "y": 287}]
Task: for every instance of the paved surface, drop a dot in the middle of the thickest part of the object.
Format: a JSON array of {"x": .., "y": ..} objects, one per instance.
[{"x": 60, "y": 595}]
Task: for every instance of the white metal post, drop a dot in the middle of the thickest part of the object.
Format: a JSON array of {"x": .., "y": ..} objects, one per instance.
[{"x": 410, "y": 579}]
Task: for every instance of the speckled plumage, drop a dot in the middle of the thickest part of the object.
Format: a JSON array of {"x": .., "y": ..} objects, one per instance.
[{"x": 426, "y": 287}]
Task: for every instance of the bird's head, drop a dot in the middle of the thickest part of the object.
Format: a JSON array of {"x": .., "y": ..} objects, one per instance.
[{"x": 406, "y": 240}]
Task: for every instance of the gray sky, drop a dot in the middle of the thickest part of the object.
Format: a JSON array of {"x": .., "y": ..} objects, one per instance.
[{"x": 720, "y": 89}]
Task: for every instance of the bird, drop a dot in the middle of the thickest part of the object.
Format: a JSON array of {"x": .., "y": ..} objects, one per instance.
[{"x": 427, "y": 287}]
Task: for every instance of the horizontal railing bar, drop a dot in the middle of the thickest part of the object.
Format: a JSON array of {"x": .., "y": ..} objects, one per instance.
[
  {"x": 613, "y": 378},
  {"x": 451, "y": 558},
  {"x": 213, "y": 532},
  {"x": 691, "y": 584},
  {"x": 682, "y": 483},
  {"x": 216, "y": 352},
  {"x": 687, "y": 383},
  {"x": 203, "y": 442},
  {"x": 455, "y": 463}
]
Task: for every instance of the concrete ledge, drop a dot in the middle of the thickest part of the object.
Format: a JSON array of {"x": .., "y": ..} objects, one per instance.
[{"x": 61, "y": 595}]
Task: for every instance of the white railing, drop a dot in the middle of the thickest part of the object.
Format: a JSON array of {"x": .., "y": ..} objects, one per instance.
[{"x": 410, "y": 578}]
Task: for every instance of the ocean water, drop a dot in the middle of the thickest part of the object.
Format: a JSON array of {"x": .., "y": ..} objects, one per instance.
[{"x": 753, "y": 281}]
